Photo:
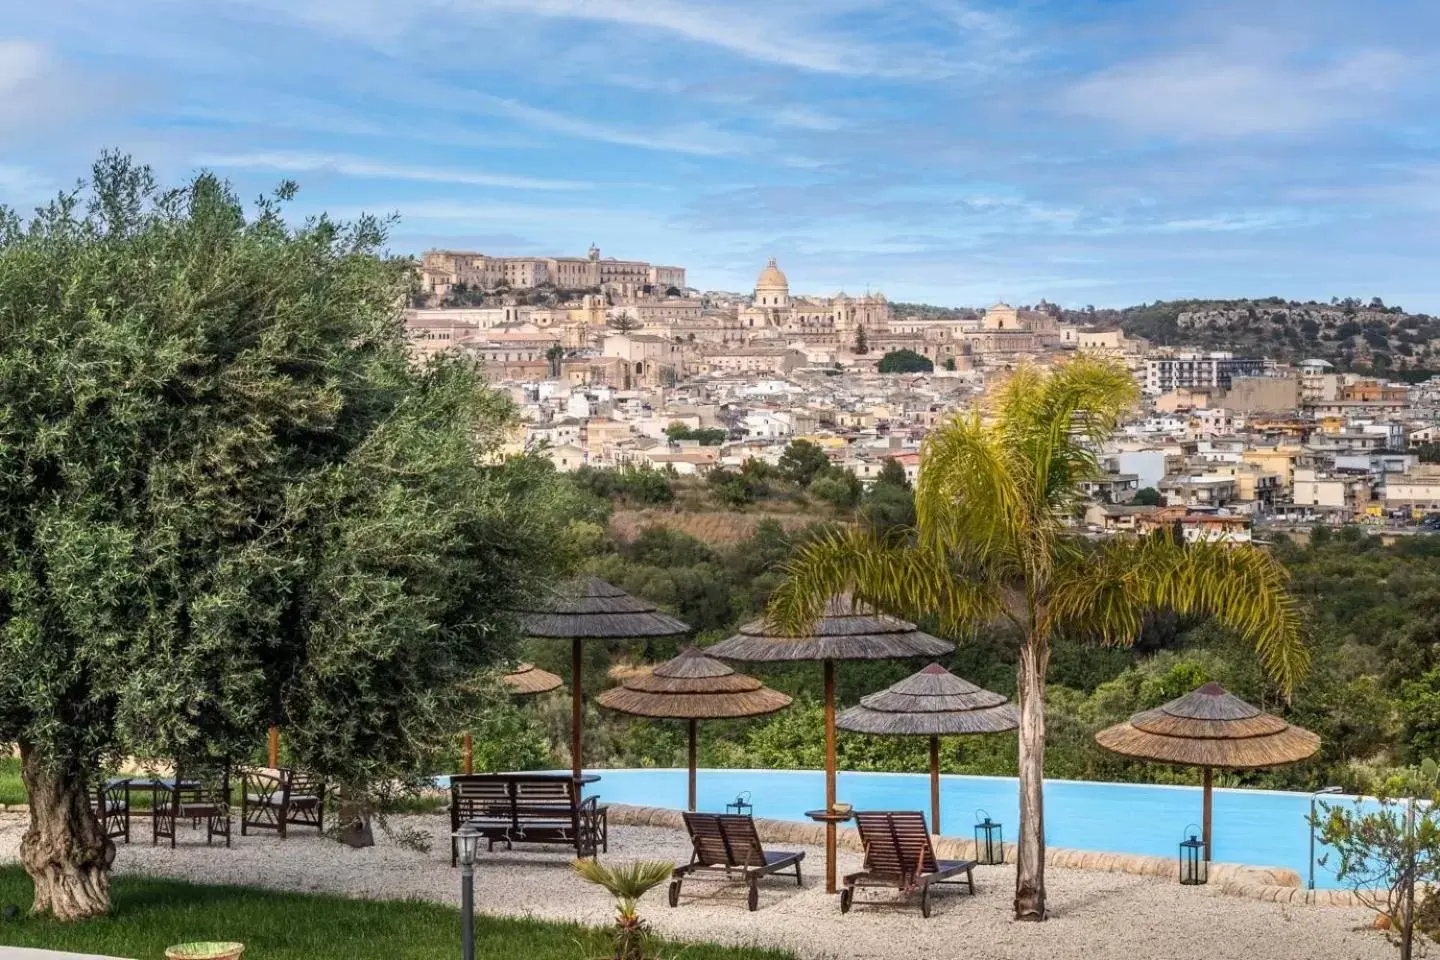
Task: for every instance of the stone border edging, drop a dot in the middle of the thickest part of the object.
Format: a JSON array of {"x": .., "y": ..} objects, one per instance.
[{"x": 1270, "y": 884}]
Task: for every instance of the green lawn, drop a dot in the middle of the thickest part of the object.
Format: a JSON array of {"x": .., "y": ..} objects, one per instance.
[
  {"x": 151, "y": 914},
  {"x": 12, "y": 788}
]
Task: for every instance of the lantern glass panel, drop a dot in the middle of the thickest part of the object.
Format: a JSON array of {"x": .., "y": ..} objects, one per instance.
[
  {"x": 989, "y": 842},
  {"x": 741, "y": 804},
  {"x": 467, "y": 844},
  {"x": 1194, "y": 870}
]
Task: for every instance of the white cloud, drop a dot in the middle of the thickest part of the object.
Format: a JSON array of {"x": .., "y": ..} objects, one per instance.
[
  {"x": 694, "y": 138},
  {"x": 288, "y": 161},
  {"x": 791, "y": 34},
  {"x": 1222, "y": 93},
  {"x": 803, "y": 118},
  {"x": 20, "y": 63}
]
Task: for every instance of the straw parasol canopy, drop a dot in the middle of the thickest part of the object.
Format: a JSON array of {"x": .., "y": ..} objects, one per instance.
[
  {"x": 693, "y": 687},
  {"x": 591, "y": 609},
  {"x": 932, "y": 703},
  {"x": 1210, "y": 728},
  {"x": 527, "y": 680},
  {"x": 845, "y": 631}
]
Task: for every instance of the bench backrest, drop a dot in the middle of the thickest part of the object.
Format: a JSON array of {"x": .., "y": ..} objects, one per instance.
[
  {"x": 473, "y": 796},
  {"x": 552, "y": 792},
  {"x": 897, "y": 844},
  {"x": 724, "y": 839}
]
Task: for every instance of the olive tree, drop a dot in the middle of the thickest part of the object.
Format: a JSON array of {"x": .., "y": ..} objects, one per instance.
[{"x": 229, "y": 499}]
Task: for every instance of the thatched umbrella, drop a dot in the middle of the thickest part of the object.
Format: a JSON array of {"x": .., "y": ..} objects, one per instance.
[
  {"x": 844, "y": 632},
  {"x": 1210, "y": 728},
  {"x": 527, "y": 680},
  {"x": 933, "y": 703},
  {"x": 591, "y": 609},
  {"x": 524, "y": 681},
  {"x": 693, "y": 687}
]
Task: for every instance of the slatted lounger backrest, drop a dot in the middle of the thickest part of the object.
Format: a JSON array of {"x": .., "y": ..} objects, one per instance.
[
  {"x": 913, "y": 839},
  {"x": 896, "y": 844},
  {"x": 742, "y": 840},
  {"x": 711, "y": 847}
]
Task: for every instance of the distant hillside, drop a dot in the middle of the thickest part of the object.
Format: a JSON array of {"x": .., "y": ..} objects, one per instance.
[
  {"x": 1347, "y": 332},
  {"x": 1350, "y": 333}
]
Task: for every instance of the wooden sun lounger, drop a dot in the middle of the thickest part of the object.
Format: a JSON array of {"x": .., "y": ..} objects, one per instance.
[
  {"x": 898, "y": 854},
  {"x": 727, "y": 843}
]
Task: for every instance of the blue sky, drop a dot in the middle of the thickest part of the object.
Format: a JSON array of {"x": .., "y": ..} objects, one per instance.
[{"x": 1097, "y": 152}]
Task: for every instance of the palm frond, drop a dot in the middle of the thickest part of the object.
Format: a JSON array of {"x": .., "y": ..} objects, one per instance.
[
  {"x": 1105, "y": 593},
  {"x": 1055, "y": 421},
  {"x": 895, "y": 575},
  {"x": 625, "y": 881},
  {"x": 969, "y": 491}
]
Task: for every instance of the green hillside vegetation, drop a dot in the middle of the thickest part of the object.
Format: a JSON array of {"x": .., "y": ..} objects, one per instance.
[
  {"x": 1373, "y": 693},
  {"x": 1352, "y": 334}
]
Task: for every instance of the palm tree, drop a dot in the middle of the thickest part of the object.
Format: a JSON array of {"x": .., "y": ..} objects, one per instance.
[
  {"x": 627, "y": 883},
  {"x": 991, "y": 545}
]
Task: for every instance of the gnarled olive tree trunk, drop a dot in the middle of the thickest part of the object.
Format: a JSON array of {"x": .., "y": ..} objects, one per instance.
[
  {"x": 65, "y": 851},
  {"x": 1030, "y": 858}
]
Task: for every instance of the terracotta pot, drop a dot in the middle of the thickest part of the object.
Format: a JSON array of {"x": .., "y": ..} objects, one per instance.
[{"x": 205, "y": 950}]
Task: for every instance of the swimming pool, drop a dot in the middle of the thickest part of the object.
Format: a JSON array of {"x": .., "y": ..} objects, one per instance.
[{"x": 1262, "y": 827}]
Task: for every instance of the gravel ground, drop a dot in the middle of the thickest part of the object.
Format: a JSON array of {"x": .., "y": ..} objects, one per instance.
[{"x": 1093, "y": 914}]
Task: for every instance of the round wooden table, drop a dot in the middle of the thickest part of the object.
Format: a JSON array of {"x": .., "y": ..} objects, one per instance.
[{"x": 830, "y": 818}]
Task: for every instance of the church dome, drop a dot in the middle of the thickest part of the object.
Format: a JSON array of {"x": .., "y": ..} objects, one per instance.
[{"x": 771, "y": 277}]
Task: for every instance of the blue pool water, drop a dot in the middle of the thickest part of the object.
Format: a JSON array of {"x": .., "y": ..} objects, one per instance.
[{"x": 1263, "y": 827}]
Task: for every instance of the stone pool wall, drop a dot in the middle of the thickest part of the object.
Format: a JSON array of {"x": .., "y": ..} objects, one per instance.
[{"x": 1273, "y": 884}]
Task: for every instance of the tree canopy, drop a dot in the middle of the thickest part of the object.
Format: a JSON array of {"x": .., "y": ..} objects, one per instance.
[
  {"x": 904, "y": 361},
  {"x": 228, "y": 499}
]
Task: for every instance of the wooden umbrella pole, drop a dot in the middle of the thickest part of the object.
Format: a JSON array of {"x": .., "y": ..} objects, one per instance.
[
  {"x": 693, "y": 725},
  {"x": 1205, "y": 816},
  {"x": 829, "y": 774},
  {"x": 935, "y": 785},
  {"x": 467, "y": 753},
  {"x": 577, "y": 706},
  {"x": 272, "y": 752}
]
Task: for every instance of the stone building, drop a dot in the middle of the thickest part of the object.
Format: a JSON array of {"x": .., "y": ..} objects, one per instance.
[
  {"x": 773, "y": 312},
  {"x": 441, "y": 270}
]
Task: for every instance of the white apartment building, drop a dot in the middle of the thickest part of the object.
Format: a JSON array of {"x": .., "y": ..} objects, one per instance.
[{"x": 1191, "y": 371}]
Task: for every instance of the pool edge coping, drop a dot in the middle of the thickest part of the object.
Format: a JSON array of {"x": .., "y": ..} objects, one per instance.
[{"x": 1268, "y": 884}]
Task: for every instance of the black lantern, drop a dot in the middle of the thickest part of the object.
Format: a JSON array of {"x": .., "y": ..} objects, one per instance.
[
  {"x": 741, "y": 804},
  {"x": 989, "y": 840},
  {"x": 1194, "y": 868}
]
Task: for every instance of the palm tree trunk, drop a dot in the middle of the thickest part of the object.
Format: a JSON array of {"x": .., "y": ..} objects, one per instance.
[{"x": 1030, "y": 858}]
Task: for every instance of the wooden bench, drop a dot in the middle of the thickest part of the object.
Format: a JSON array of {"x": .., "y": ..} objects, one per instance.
[
  {"x": 525, "y": 808},
  {"x": 898, "y": 854}
]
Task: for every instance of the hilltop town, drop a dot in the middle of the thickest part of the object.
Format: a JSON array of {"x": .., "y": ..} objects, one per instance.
[{"x": 618, "y": 364}]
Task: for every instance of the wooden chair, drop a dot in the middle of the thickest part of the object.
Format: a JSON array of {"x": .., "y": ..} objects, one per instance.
[
  {"x": 727, "y": 843},
  {"x": 274, "y": 799},
  {"x": 196, "y": 798},
  {"x": 898, "y": 854},
  {"x": 112, "y": 807}
]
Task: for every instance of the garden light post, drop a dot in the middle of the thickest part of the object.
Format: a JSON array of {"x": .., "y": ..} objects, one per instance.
[
  {"x": 1313, "y": 797},
  {"x": 467, "y": 840}
]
